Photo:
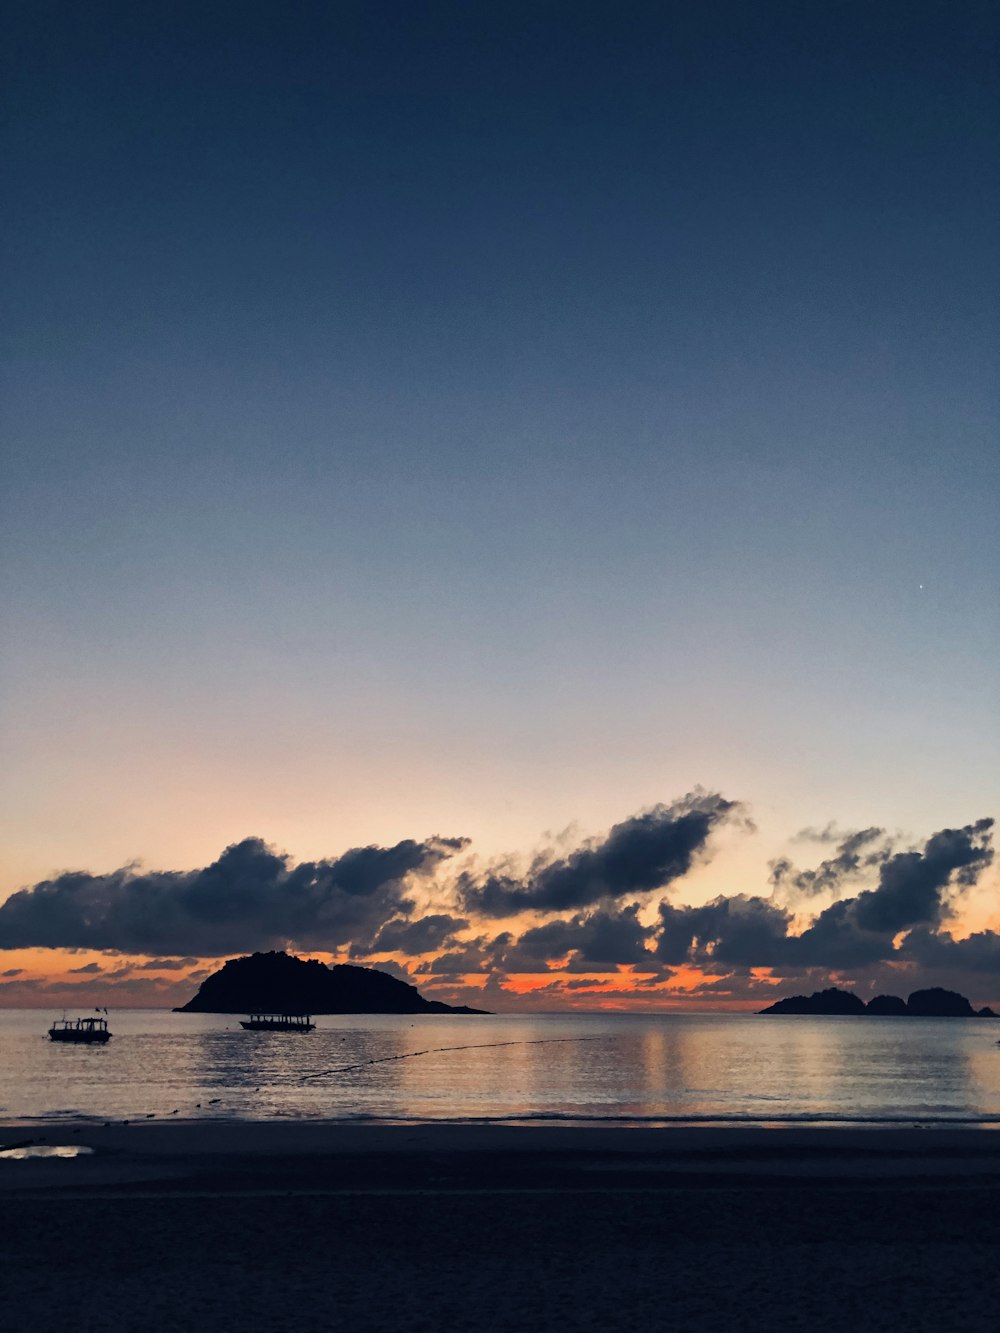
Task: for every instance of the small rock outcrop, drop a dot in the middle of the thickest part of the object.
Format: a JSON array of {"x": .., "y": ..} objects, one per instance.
[
  {"x": 831, "y": 1001},
  {"x": 932, "y": 1003},
  {"x": 278, "y": 982},
  {"x": 938, "y": 1003}
]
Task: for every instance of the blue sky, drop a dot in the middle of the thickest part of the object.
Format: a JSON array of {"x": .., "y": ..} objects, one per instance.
[{"x": 483, "y": 419}]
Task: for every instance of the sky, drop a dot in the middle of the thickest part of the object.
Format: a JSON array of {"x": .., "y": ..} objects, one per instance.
[{"x": 534, "y": 443}]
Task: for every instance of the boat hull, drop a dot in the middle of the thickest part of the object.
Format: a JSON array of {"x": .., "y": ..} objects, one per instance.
[
  {"x": 276, "y": 1027},
  {"x": 80, "y": 1038}
]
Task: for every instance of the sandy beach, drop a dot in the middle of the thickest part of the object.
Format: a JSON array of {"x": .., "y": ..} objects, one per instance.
[{"x": 312, "y": 1226}]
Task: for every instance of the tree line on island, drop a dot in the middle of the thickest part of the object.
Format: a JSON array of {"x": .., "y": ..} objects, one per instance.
[
  {"x": 932, "y": 1003},
  {"x": 277, "y": 982}
]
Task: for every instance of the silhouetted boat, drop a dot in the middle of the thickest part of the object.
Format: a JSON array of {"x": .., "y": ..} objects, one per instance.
[
  {"x": 277, "y": 1023},
  {"x": 85, "y": 1030}
]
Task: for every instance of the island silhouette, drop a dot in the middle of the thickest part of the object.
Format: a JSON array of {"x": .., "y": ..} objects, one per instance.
[
  {"x": 932, "y": 1003},
  {"x": 281, "y": 983}
]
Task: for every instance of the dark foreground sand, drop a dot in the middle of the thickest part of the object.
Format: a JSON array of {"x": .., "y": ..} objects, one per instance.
[{"x": 282, "y": 1226}]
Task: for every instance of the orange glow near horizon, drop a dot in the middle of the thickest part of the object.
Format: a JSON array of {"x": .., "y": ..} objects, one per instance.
[
  {"x": 39, "y": 977},
  {"x": 43, "y": 977}
]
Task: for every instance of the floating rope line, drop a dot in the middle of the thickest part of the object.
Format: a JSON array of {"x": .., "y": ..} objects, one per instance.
[{"x": 437, "y": 1050}]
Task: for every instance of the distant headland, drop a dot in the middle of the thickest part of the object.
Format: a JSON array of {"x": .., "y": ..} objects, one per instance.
[
  {"x": 933, "y": 1003},
  {"x": 281, "y": 983}
]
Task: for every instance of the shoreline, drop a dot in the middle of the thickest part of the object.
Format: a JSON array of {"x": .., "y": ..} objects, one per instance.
[{"x": 329, "y": 1156}]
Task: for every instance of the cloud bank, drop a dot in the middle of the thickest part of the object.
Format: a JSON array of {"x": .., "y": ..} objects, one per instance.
[
  {"x": 604, "y": 915},
  {"x": 913, "y": 894},
  {"x": 250, "y": 898}
]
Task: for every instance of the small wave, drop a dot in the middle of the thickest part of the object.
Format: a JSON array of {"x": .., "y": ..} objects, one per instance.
[
  {"x": 581, "y": 1118},
  {"x": 34, "y": 1150},
  {"x": 73, "y": 1113}
]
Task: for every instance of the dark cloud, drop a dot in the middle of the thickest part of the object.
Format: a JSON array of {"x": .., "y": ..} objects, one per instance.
[
  {"x": 912, "y": 885},
  {"x": 836, "y": 939},
  {"x": 649, "y": 980},
  {"x": 599, "y": 939},
  {"x": 642, "y": 854},
  {"x": 422, "y": 936},
  {"x": 829, "y": 833},
  {"x": 141, "y": 990},
  {"x": 856, "y": 853},
  {"x": 250, "y": 898},
  {"x": 166, "y": 964},
  {"x": 12, "y": 972},
  {"x": 472, "y": 957},
  {"x": 937, "y": 950},
  {"x": 735, "y": 931},
  {"x": 912, "y": 891},
  {"x": 254, "y": 898}
]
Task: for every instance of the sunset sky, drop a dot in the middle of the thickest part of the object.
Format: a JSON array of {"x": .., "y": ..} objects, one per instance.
[{"x": 522, "y": 477}]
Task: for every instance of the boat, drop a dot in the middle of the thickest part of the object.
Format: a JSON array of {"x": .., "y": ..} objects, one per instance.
[
  {"x": 85, "y": 1030},
  {"x": 278, "y": 1023}
]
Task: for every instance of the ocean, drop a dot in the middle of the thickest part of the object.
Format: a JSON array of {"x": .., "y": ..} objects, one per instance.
[{"x": 582, "y": 1068}]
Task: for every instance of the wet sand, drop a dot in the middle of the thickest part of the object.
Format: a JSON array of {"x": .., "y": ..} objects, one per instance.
[{"x": 311, "y": 1226}]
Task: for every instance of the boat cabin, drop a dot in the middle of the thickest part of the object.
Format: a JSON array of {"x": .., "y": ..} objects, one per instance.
[{"x": 278, "y": 1023}]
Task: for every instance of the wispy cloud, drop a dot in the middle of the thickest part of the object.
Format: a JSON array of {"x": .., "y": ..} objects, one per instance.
[
  {"x": 856, "y": 853},
  {"x": 640, "y": 855}
]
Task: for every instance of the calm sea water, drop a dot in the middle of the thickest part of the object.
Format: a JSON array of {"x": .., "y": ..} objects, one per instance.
[{"x": 620, "y": 1068}]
